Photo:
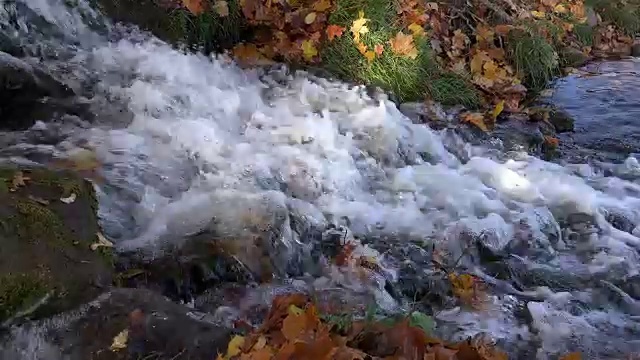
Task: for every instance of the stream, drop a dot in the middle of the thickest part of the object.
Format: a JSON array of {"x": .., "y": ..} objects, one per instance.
[{"x": 188, "y": 143}]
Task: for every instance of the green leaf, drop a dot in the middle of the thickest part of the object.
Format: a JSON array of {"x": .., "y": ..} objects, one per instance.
[{"x": 422, "y": 321}]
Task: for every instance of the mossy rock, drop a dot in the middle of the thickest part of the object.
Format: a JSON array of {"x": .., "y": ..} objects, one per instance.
[{"x": 45, "y": 243}]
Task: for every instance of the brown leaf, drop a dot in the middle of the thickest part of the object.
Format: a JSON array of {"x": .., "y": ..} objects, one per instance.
[
  {"x": 378, "y": 49},
  {"x": 221, "y": 7},
  {"x": 572, "y": 356},
  {"x": 322, "y": 5},
  {"x": 18, "y": 180},
  {"x": 460, "y": 287}
]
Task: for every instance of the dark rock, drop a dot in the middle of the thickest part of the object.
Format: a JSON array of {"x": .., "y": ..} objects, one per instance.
[
  {"x": 520, "y": 135},
  {"x": 561, "y": 120},
  {"x": 29, "y": 94},
  {"x": 425, "y": 113},
  {"x": 9, "y": 46},
  {"x": 572, "y": 57},
  {"x": 45, "y": 243},
  {"x": 635, "y": 49},
  {"x": 157, "y": 329}
]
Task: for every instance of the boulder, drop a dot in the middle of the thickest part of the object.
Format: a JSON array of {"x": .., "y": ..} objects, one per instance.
[
  {"x": 572, "y": 57},
  {"x": 635, "y": 48},
  {"x": 28, "y": 94},
  {"x": 48, "y": 223},
  {"x": 156, "y": 328}
]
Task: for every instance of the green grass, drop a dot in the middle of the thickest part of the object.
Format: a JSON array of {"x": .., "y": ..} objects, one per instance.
[
  {"x": 408, "y": 79},
  {"x": 584, "y": 33},
  {"x": 209, "y": 31},
  {"x": 534, "y": 58}
]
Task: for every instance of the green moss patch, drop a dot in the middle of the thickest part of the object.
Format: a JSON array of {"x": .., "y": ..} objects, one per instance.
[{"x": 18, "y": 292}]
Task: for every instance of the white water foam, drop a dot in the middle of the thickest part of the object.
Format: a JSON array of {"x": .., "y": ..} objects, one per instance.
[{"x": 206, "y": 134}]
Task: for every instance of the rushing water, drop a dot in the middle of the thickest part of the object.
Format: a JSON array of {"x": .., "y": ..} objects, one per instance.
[{"x": 184, "y": 138}]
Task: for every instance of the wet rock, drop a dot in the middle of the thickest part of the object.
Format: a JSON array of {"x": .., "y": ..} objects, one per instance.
[
  {"x": 592, "y": 17},
  {"x": 635, "y": 48},
  {"x": 572, "y": 57},
  {"x": 425, "y": 113},
  {"x": 29, "y": 94},
  {"x": 45, "y": 244},
  {"x": 9, "y": 46},
  {"x": 561, "y": 120},
  {"x": 519, "y": 135},
  {"x": 157, "y": 329}
]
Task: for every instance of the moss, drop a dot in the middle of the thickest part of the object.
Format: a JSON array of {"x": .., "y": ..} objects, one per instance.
[
  {"x": 19, "y": 291},
  {"x": 37, "y": 222}
]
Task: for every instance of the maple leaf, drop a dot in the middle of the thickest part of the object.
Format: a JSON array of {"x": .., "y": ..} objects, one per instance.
[
  {"x": 369, "y": 55},
  {"x": 378, "y": 49},
  {"x": 334, "y": 31},
  {"x": 322, "y": 5},
  {"x": 362, "y": 48},
  {"x": 402, "y": 44},
  {"x": 416, "y": 30},
  {"x": 221, "y": 7},
  {"x": 309, "y": 50},
  {"x": 194, "y": 6},
  {"x": 461, "y": 286},
  {"x": 359, "y": 27}
]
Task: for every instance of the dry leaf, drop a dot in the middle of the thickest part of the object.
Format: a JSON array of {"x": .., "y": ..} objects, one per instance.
[
  {"x": 334, "y": 31},
  {"x": 369, "y": 55},
  {"x": 102, "y": 242},
  {"x": 194, "y": 6},
  {"x": 293, "y": 326},
  {"x": 70, "y": 199},
  {"x": 309, "y": 50},
  {"x": 322, "y": 5},
  {"x": 234, "y": 346},
  {"x": 120, "y": 341},
  {"x": 538, "y": 14},
  {"x": 358, "y": 27},
  {"x": 18, "y": 180},
  {"x": 362, "y": 48},
  {"x": 378, "y": 49},
  {"x": 476, "y": 119},
  {"x": 416, "y": 30},
  {"x": 310, "y": 18},
  {"x": 221, "y": 7},
  {"x": 497, "y": 110},
  {"x": 402, "y": 45},
  {"x": 572, "y": 356}
]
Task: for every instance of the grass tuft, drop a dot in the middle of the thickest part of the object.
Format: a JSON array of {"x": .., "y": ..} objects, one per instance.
[
  {"x": 450, "y": 88},
  {"x": 625, "y": 15},
  {"x": 584, "y": 33},
  {"x": 534, "y": 58}
]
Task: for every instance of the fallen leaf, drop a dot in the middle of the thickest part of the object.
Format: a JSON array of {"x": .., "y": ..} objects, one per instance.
[
  {"x": 476, "y": 119},
  {"x": 334, "y": 31},
  {"x": 538, "y": 14},
  {"x": 102, "y": 242},
  {"x": 402, "y": 44},
  {"x": 234, "y": 346},
  {"x": 378, "y": 49},
  {"x": 369, "y": 55},
  {"x": 293, "y": 326},
  {"x": 70, "y": 199},
  {"x": 309, "y": 50},
  {"x": 358, "y": 27},
  {"x": 18, "y": 180},
  {"x": 221, "y": 7},
  {"x": 194, "y": 6},
  {"x": 362, "y": 48},
  {"x": 40, "y": 201},
  {"x": 497, "y": 110},
  {"x": 554, "y": 142},
  {"x": 416, "y": 30},
  {"x": 310, "y": 18},
  {"x": 120, "y": 341},
  {"x": 322, "y": 5},
  {"x": 572, "y": 356},
  {"x": 503, "y": 30}
]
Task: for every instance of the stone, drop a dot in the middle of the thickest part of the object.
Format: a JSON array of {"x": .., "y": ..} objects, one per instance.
[
  {"x": 29, "y": 94},
  {"x": 156, "y": 327},
  {"x": 635, "y": 48},
  {"x": 592, "y": 17},
  {"x": 561, "y": 121},
  {"x": 572, "y": 57},
  {"x": 45, "y": 244}
]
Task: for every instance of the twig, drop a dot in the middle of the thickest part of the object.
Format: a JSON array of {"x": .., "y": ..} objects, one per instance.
[{"x": 180, "y": 353}]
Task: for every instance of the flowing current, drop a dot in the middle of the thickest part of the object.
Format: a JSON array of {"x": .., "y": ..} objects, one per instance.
[{"x": 184, "y": 138}]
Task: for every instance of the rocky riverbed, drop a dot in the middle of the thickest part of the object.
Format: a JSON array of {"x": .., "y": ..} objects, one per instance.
[{"x": 213, "y": 188}]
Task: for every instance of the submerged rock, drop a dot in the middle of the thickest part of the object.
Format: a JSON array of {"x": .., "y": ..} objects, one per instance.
[
  {"x": 156, "y": 328},
  {"x": 48, "y": 223}
]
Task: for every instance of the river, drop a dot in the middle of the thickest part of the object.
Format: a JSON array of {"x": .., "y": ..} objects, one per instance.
[{"x": 182, "y": 139}]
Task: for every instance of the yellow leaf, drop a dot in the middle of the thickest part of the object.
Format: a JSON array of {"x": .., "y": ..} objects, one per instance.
[
  {"x": 560, "y": 9},
  {"x": 310, "y": 18},
  {"x": 294, "y": 310},
  {"x": 221, "y": 7},
  {"x": 322, "y": 5},
  {"x": 362, "y": 48},
  {"x": 463, "y": 283},
  {"x": 498, "y": 110},
  {"x": 120, "y": 341},
  {"x": 261, "y": 343},
  {"x": 370, "y": 55},
  {"x": 234, "y": 346},
  {"x": 309, "y": 51},
  {"x": 477, "y": 62},
  {"x": 358, "y": 27},
  {"x": 416, "y": 29},
  {"x": 538, "y": 14}
]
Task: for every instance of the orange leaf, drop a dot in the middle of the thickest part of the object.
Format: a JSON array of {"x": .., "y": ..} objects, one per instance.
[
  {"x": 553, "y": 142},
  {"x": 334, "y": 31},
  {"x": 503, "y": 30},
  {"x": 194, "y": 6},
  {"x": 461, "y": 287},
  {"x": 572, "y": 356},
  {"x": 379, "y": 48},
  {"x": 361, "y": 47},
  {"x": 294, "y": 326},
  {"x": 402, "y": 44},
  {"x": 345, "y": 254}
]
